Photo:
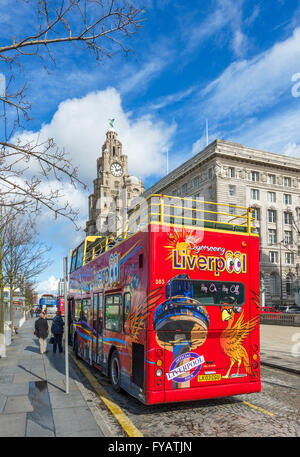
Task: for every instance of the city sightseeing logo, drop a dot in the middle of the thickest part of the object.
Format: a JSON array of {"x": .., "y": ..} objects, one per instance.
[{"x": 190, "y": 256}]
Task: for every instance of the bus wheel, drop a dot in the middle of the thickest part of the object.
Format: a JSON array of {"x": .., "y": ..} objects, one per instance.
[{"x": 115, "y": 372}]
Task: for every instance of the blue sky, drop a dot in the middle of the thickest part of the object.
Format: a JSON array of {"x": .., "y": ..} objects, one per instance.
[{"x": 228, "y": 61}]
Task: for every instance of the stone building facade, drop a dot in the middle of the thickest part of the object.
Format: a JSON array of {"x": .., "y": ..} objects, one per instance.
[
  {"x": 114, "y": 190},
  {"x": 231, "y": 173}
]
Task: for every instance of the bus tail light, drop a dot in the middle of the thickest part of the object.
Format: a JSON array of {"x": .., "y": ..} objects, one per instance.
[
  {"x": 255, "y": 365},
  {"x": 159, "y": 362},
  {"x": 255, "y": 348},
  {"x": 159, "y": 382},
  {"x": 159, "y": 372},
  {"x": 159, "y": 352}
]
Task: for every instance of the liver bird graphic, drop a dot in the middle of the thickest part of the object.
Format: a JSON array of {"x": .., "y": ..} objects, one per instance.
[{"x": 233, "y": 335}]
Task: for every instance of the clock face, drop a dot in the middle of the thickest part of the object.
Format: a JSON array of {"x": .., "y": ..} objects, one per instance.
[{"x": 116, "y": 169}]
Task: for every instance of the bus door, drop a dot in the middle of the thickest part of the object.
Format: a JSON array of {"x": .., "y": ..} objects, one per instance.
[{"x": 98, "y": 328}]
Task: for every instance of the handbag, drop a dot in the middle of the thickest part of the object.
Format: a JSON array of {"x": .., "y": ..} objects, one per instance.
[{"x": 51, "y": 340}]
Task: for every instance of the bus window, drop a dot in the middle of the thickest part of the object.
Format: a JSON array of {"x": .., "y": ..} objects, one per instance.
[
  {"x": 86, "y": 310},
  {"x": 95, "y": 304},
  {"x": 77, "y": 309},
  {"x": 73, "y": 261},
  {"x": 79, "y": 256},
  {"x": 127, "y": 303},
  {"x": 100, "y": 319},
  {"x": 113, "y": 312}
]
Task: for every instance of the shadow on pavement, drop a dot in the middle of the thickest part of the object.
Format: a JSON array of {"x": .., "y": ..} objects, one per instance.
[
  {"x": 32, "y": 349},
  {"x": 42, "y": 384}
]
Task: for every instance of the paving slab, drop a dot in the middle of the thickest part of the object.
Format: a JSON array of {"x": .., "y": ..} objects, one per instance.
[
  {"x": 12, "y": 425},
  {"x": 78, "y": 420},
  {"x": 20, "y": 388},
  {"x": 18, "y": 404}
]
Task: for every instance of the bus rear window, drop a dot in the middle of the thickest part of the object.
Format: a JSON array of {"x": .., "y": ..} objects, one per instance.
[{"x": 210, "y": 292}]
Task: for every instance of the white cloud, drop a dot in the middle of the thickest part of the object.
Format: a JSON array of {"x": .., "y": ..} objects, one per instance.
[
  {"x": 226, "y": 14},
  {"x": 278, "y": 133},
  {"x": 251, "y": 85},
  {"x": 49, "y": 286},
  {"x": 80, "y": 124}
]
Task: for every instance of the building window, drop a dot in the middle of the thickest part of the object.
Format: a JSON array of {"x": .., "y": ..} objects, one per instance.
[
  {"x": 287, "y": 217},
  {"x": 210, "y": 174},
  {"x": 271, "y": 179},
  {"x": 274, "y": 284},
  {"x": 272, "y": 237},
  {"x": 271, "y": 197},
  {"x": 255, "y": 194},
  {"x": 196, "y": 182},
  {"x": 289, "y": 258},
  {"x": 256, "y": 214},
  {"x": 231, "y": 172},
  {"x": 184, "y": 188},
  {"x": 271, "y": 215},
  {"x": 287, "y": 182},
  {"x": 273, "y": 257},
  {"x": 210, "y": 192},
  {"x": 232, "y": 190},
  {"x": 254, "y": 176},
  {"x": 288, "y": 237},
  {"x": 288, "y": 285},
  {"x": 231, "y": 210},
  {"x": 287, "y": 199}
]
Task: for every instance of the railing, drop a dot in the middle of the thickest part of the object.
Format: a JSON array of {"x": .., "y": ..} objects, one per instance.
[{"x": 174, "y": 211}]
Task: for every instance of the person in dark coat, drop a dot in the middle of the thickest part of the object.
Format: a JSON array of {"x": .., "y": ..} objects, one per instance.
[
  {"x": 57, "y": 330},
  {"x": 41, "y": 331}
]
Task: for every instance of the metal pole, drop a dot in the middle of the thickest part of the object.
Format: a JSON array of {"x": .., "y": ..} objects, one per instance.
[{"x": 66, "y": 326}]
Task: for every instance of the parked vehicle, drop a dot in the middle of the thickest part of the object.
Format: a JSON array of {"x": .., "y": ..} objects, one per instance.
[
  {"x": 267, "y": 311},
  {"x": 290, "y": 309}
]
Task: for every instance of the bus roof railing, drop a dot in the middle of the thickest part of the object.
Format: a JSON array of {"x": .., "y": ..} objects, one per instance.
[{"x": 173, "y": 211}]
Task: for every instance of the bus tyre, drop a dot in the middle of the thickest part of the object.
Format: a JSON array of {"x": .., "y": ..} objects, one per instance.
[{"x": 115, "y": 371}]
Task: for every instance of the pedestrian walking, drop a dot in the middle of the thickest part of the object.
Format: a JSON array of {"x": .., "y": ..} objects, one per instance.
[
  {"x": 41, "y": 331},
  {"x": 57, "y": 330},
  {"x": 31, "y": 312}
]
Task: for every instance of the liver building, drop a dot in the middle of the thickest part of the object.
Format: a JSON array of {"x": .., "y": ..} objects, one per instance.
[{"x": 114, "y": 190}]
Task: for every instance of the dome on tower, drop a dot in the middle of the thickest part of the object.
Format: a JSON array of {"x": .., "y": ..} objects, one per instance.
[{"x": 133, "y": 180}]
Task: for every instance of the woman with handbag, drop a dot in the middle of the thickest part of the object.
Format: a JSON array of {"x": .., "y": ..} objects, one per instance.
[
  {"x": 57, "y": 330},
  {"x": 41, "y": 331}
]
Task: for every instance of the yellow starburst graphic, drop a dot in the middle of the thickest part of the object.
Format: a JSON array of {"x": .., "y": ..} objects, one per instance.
[{"x": 178, "y": 241}]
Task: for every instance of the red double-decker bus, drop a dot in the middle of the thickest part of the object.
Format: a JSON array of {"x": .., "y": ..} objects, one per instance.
[{"x": 169, "y": 309}]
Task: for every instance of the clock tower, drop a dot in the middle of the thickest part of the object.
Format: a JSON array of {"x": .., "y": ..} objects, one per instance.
[{"x": 114, "y": 189}]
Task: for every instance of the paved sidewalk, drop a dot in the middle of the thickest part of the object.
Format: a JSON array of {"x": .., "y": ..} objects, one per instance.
[
  {"x": 33, "y": 401},
  {"x": 280, "y": 346}
]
